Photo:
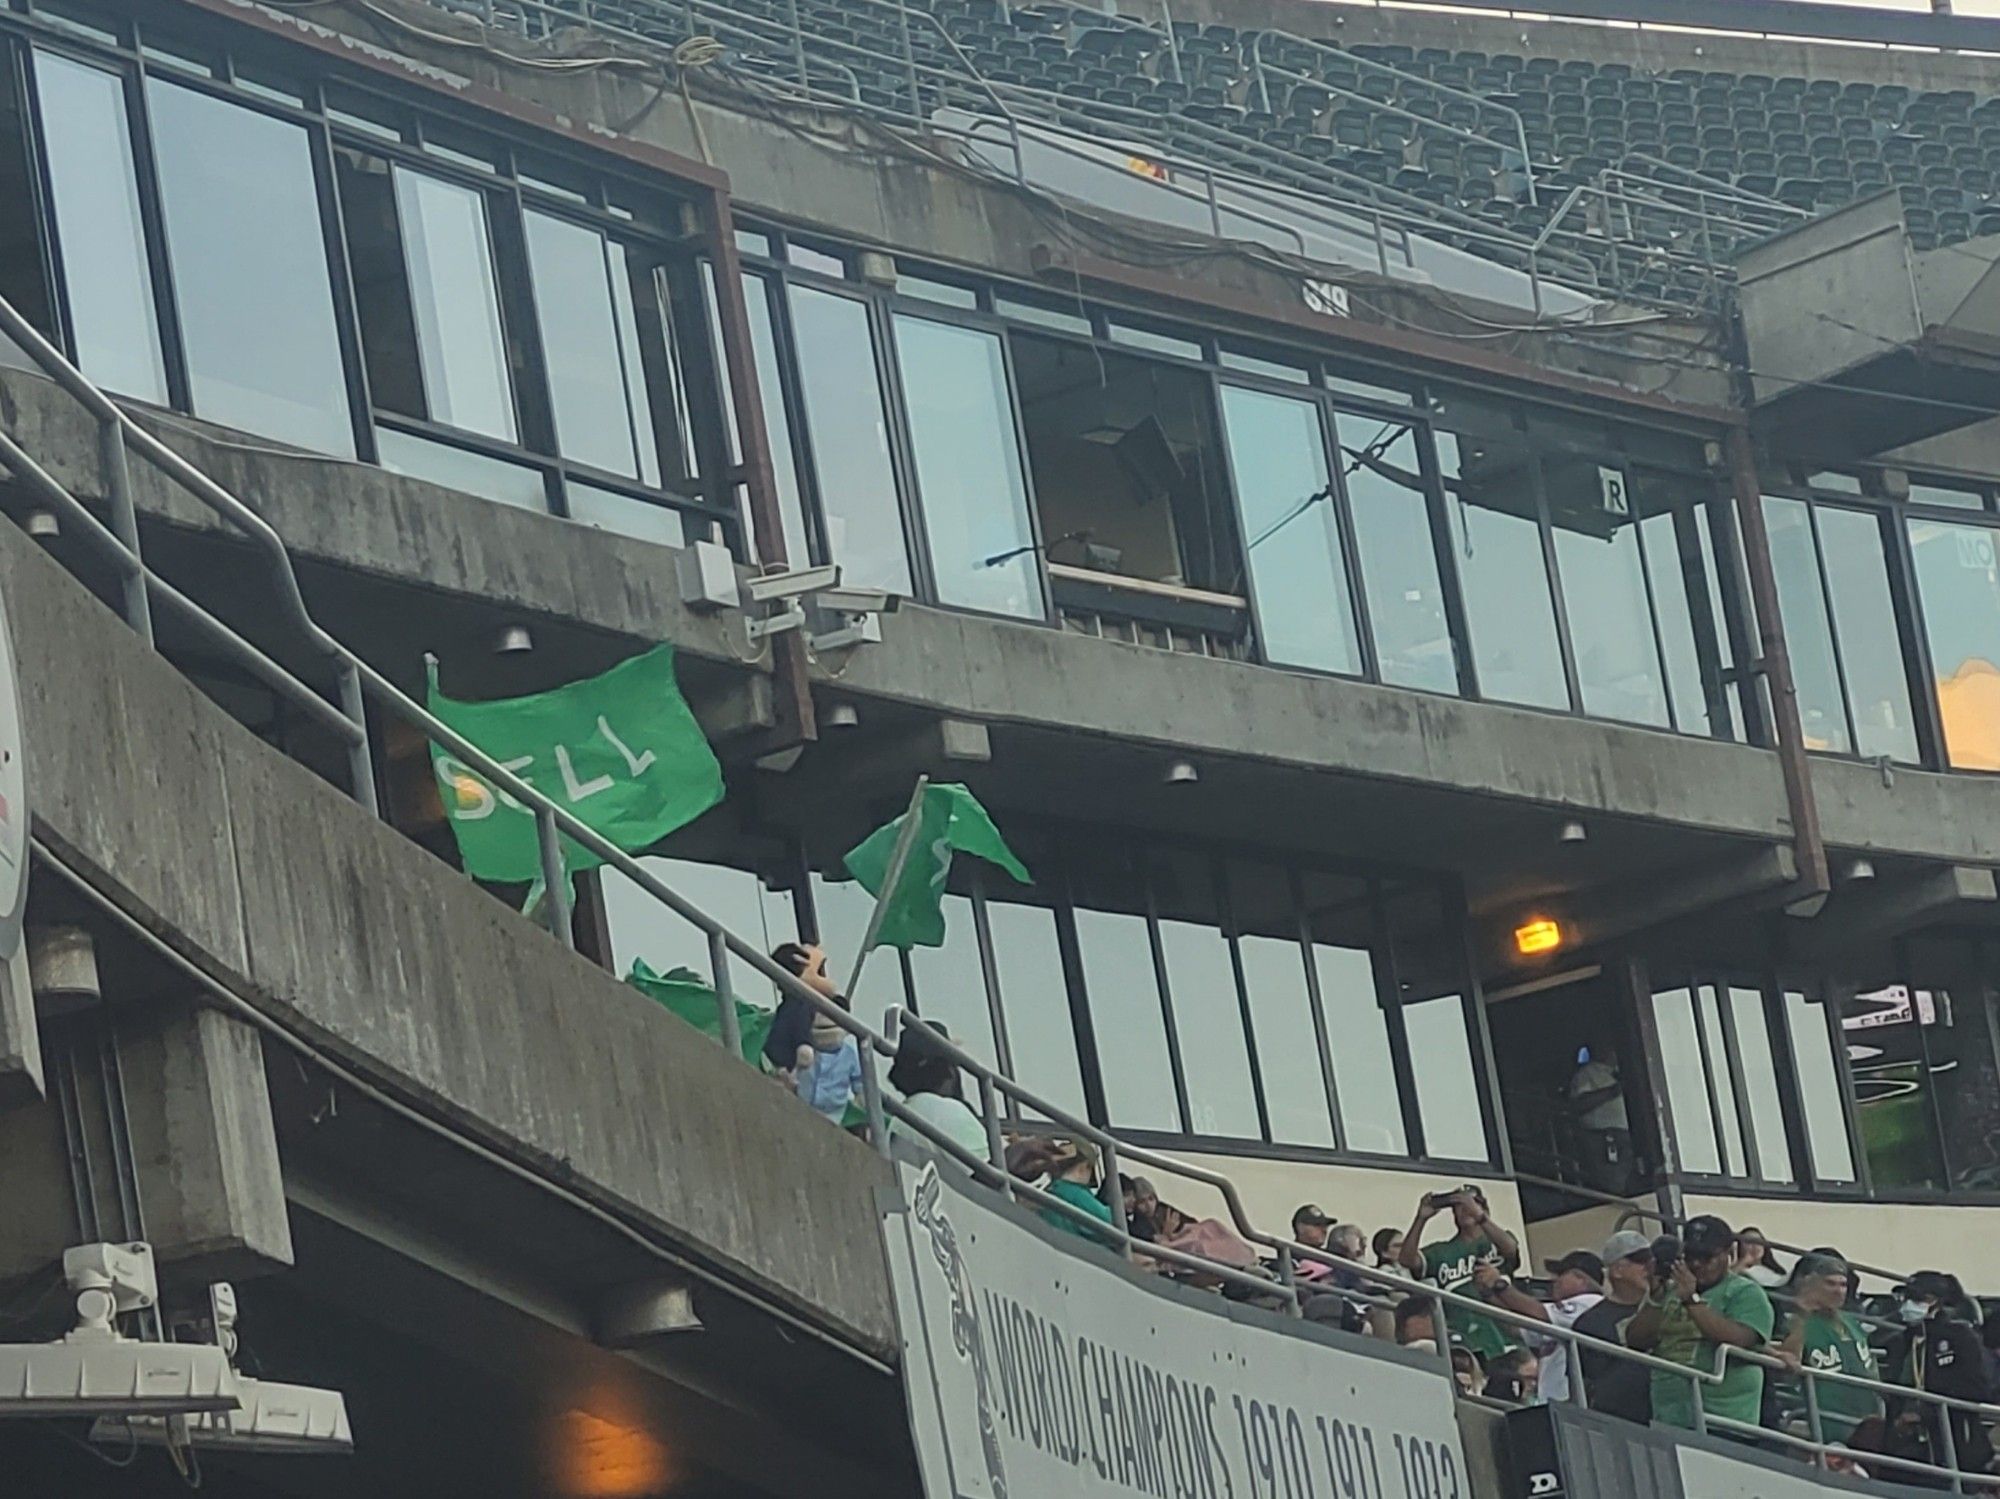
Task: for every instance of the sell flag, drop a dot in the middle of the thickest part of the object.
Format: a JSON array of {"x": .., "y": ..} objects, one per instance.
[
  {"x": 621, "y": 752},
  {"x": 684, "y": 992},
  {"x": 949, "y": 820}
]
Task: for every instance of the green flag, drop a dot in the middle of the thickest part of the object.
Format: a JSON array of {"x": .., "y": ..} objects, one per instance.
[
  {"x": 620, "y": 752},
  {"x": 949, "y": 819},
  {"x": 684, "y": 992}
]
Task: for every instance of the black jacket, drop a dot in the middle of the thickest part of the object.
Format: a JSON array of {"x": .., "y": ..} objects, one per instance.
[{"x": 1943, "y": 1357}]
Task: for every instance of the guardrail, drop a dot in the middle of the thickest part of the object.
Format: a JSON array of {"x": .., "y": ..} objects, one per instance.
[{"x": 554, "y": 822}]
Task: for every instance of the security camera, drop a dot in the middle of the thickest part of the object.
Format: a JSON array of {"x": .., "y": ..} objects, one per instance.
[
  {"x": 770, "y": 588},
  {"x": 285, "y": 1418},
  {"x": 852, "y": 600}
]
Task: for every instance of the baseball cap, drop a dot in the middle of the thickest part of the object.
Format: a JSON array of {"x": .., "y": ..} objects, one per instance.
[
  {"x": 1578, "y": 1259},
  {"x": 1707, "y": 1235},
  {"x": 1311, "y": 1213},
  {"x": 1821, "y": 1263},
  {"x": 1626, "y": 1244}
]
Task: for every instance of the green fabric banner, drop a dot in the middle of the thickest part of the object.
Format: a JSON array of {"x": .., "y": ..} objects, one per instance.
[
  {"x": 682, "y": 991},
  {"x": 620, "y": 751},
  {"x": 949, "y": 819}
]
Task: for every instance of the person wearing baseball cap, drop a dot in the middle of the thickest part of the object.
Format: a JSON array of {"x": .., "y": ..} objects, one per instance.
[
  {"x": 1618, "y": 1386},
  {"x": 1823, "y": 1335},
  {"x": 1578, "y": 1279},
  {"x": 1697, "y": 1306}
]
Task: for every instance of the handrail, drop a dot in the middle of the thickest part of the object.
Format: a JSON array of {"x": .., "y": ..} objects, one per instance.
[{"x": 554, "y": 822}]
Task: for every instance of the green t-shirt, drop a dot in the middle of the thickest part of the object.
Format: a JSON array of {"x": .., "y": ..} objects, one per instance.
[
  {"x": 1834, "y": 1340},
  {"x": 1077, "y": 1195},
  {"x": 1449, "y": 1263},
  {"x": 1740, "y": 1395}
]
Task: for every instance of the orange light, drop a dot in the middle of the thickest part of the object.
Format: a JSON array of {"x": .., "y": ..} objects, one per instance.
[
  {"x": 1537, "y": 936},
  {"x": 595, "y": 1458}
]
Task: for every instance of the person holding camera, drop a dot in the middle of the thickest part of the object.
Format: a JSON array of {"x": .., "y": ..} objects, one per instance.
[
  {"x": 1453, "y": 1264},
  {"x": 1698, "y": 1305}
]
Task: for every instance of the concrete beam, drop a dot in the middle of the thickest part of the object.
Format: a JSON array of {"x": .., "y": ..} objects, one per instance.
[{"x": 1871, "y": 910}]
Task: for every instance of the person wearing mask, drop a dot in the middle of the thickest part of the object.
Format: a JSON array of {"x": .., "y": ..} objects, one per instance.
[
  {"x": 934, "y": 1092},
  {"x": 1618, "y": 1386},
  {"x": 1388, "y": 1247},
  {"x": 1073, "y": 1181},
  {"x": 1578, "y": 1285},
  {"x": 1450, "y": 1263},
  {"x": 1697, "y": 1306},
  {"x": 1754, "y": 1259},
  {"x": 1936, "y": 1352},
  {"x": 791, "y": 1026},
  {"x": 1823, "y": 1336}
]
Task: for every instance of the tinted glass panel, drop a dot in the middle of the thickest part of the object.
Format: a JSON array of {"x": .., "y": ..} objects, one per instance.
[
  {"x": 583, "y": 306},
  {"x": 969, "y": 472},
  {"x": 842, "y": 908},
  {"x": 1958, "y": 578},
  {"x": 1497, "y": 540},
  {"x": 1034, "y": 999},
  {"x": 1809, "y": 637},
  {"x": 1687, "y": 1082},
  {"x": 1447, "y": 1094},
  {"x": 1721, "y": 1081},
  {"x": 455, "y": 468},
  {"x": 1604, "y": 589},
  {"x": 1291, "y": 531},
  {"x": 607, "y": 510},
  {"x": 950, "y": 986},
  {"x": 1886, "y": 1032},
  {"x": 1399, "y": 569},
  {"x": 1864, "y": 620},
  {"x": 22, "y": 277},
  {"x": 777, "y": 424},
  {"x": 1677, "y": 636},
  {"x": 1760, "y": 1082},
  {"x": 87, "y": 141},
  {"x": 1965, "y": 1086},
  {"x": 641, "y": 927},
  {"x": 1209, "y": 1024},
  {"x": 456, "y": 301},
  {"x": 250, "y": 271},
  {"x": 1125, "y": 1014},
  {"x": 1819, "y": 1090},
  {"x": 1274, "y": 972},
  {"x": 850, "y": 439},
  {"x": 1357, "y": 1034}
]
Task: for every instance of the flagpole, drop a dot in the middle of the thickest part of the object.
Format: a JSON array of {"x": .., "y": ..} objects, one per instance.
[{"x": 898, "y": 857}]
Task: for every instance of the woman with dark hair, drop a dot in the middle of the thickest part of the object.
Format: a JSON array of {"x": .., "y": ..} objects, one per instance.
[
  {"x": 1754, "y": 1259},
  {"x": 934, "y": 1092}
]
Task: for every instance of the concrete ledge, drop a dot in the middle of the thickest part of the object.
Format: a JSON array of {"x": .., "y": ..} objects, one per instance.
[{"x": 278, "y": 883}]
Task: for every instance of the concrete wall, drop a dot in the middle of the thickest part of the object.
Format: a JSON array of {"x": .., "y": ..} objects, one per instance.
[
  {"x": 1904, "y": 1237},
  {"x": 300, "y": 902}
]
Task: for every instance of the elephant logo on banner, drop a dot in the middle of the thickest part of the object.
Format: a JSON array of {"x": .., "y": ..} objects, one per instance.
[{"x": 966, "y": 1336}]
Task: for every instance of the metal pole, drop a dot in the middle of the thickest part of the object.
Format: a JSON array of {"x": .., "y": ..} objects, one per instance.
[
  {"x": 555, "y": 878},
  {"x": 1288, "y": 1274},
  {"x": 360, "y": 763},
  {"x": 725, "y": 999},
  {"x": 1948, "y": 1439},
  {"x": 871, "y": 1100},
  {"x": 898, "y": 857},
  {"x": 125, "y": 522},
  {"x": 1814, "y": 1424},
  {"x": 996, "y": 1147}
]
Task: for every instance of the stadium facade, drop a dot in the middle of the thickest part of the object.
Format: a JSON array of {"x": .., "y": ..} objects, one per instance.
[{"x": 1446, "y": 541}]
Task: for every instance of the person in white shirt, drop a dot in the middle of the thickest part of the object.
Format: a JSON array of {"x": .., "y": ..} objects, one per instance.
[
  {"x": 934, "y": 1091},
  {"x": 1578, "y": 1286},
  {"x": 1596, "y": 1098}
]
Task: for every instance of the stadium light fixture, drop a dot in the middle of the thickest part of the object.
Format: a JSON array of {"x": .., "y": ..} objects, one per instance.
[{"x": 1538, "y": 935}]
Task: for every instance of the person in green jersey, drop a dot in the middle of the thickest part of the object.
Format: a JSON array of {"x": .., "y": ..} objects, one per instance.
[
  {"x": 1453, "y": 1264},
  {"x": 1698, "y": 1305},
  {"x": 1823, "y": 1336}
]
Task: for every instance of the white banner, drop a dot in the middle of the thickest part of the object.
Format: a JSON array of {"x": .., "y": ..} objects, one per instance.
[{"x": 1040, "y": 1367}]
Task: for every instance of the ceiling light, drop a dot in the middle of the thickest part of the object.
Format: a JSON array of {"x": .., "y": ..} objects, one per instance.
[
  {"x": 841, "y": 716},
  {"x": 43, "y": 525},
  {"x": 1540, "y": 934},
  {"x": 1181, "y": 773},
  {"x": 1861, "y": 869},
  {"x": 1573, "y": 832},
  {"x": 513, "y": 640}
]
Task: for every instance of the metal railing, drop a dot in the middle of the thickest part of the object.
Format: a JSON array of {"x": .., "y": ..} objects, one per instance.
[{"x": 995, "y": 1091}]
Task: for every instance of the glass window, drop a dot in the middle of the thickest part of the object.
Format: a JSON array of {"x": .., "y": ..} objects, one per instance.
[
  {"x": 1711, "y": 563},
  {"x": 968, "y": 466},
  {"x": 1399, "y": 567},
  {"x": 87, "y": 142},
  {"x": 1127, "y": 1020},
  {"x": 1663, "y": 530},
  {"x": 1687, "y": 1082},
  {"x": 1808, "y": 632},
  {"x": 456, "y": 300},
  {"x": 640, "y": 927},
  {"x": 590, "y": 344},
  {"x": 1291, "y": 530},
  {"x": 951, "y": 986},
  {"x": 1721, "y": 1079},
  {"x": 1885, "y": 1032},
  {"x": 1604, "y": 589},
  {"x": 1340, "y": 914},
  {"x": 1447, "y": 1092},
  {"x": 1965, "y": 1088},
  {"x": 841, "y": 909},
  {"x": 1760, "y": 1081},
  {"x": 777, "y": 423},
  {"x": 455, "y": 468},
  {"x": 1274, "y": 973},
  {"x": 1503, "y": 574},
  {"x": 1034, "y": 999},
  {"x": 849, "y": 431},
  {"x": 1958, "y": 579},
  {"x": 1944, "y": 494},
  {"x": 1153, "y": 343},
  {"x": 1827, "y": 1145},
  {"x": 250, "y": 271},
  {"x": 23, "y": 279},
  {"x": 1864, "y": 622},
  {"x": 1208, "y": 1022},
  {"x": 608, "y": 510}
]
